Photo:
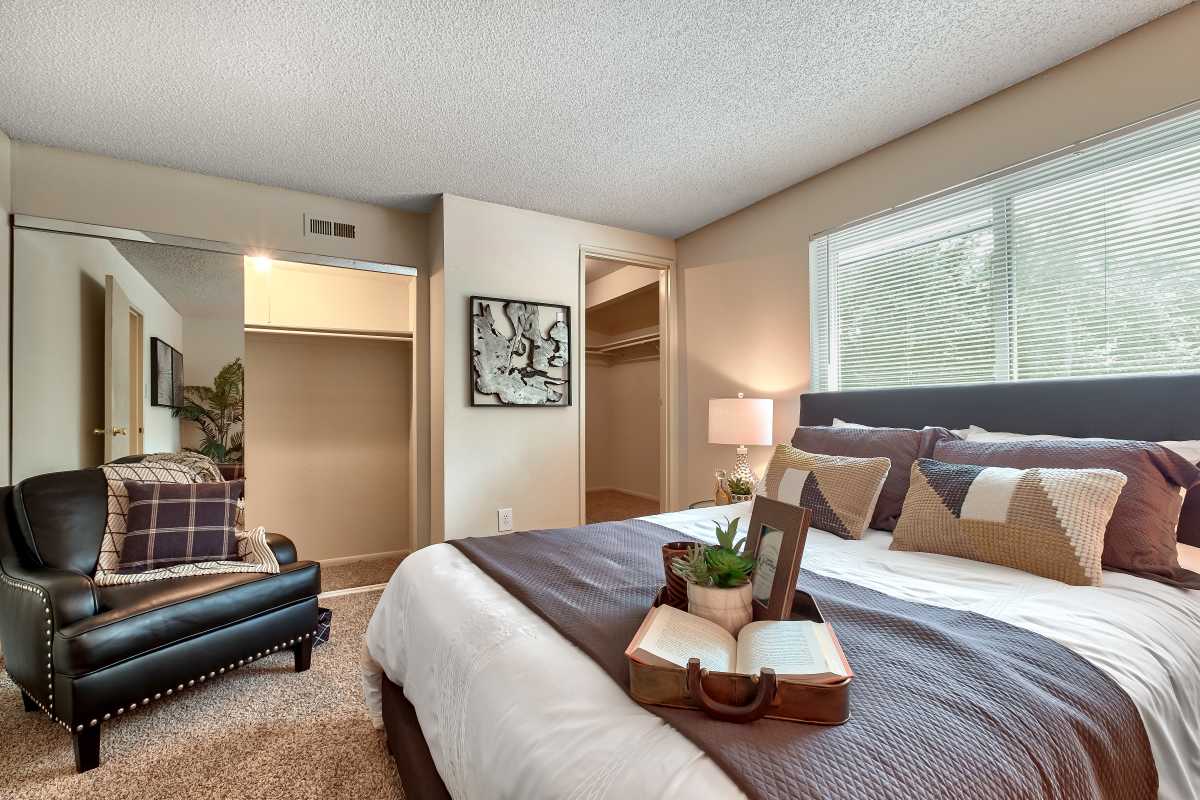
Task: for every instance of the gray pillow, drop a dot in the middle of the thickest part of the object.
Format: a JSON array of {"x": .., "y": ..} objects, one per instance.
[
  {"x": 1140, "y": 537},
  {"x": 901, "y": 446}
]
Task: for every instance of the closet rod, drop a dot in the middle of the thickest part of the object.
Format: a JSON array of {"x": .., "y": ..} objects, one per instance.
[
  {"x": 621, "y": 344},
  {"x": 344, "y": 334}
]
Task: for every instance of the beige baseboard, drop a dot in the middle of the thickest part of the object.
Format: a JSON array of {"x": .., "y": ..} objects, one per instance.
[
  {"x": 631, "y": 492},
  {"x": 364, "y": 557}
]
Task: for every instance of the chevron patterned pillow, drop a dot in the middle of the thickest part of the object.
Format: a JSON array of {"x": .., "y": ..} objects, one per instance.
[
  {"x": 1048, "y": 522},
  {"x": 840, "y": 491}
]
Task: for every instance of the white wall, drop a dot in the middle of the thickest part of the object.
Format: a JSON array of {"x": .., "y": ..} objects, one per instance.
[
  {"x": 745, "y": 277},
  {"x": 327, "y": 441},
  {"x": 65, "y": 184},
  {"x": 58, "y": 353},
  {"x": 5, "y": 271},
  {"x": 527, "y": 459}
]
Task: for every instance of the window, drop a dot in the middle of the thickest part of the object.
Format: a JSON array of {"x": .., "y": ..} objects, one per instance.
[{"x": 1084, "y": 263}]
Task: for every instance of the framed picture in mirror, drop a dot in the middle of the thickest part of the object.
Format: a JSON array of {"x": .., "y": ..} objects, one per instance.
[
  {"x": 778, "y": 532},
  {"x": 166, "y": 374}
]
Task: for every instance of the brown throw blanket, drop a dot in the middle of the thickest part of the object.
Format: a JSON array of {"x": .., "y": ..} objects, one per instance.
[{"x": 944, "y": 704}]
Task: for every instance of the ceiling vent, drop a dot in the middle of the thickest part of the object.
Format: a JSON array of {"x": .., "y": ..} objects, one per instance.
[{"x": 327, "y": 227}]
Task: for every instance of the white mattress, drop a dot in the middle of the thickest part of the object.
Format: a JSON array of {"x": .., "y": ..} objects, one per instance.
[{"x": 512, "y": 710}]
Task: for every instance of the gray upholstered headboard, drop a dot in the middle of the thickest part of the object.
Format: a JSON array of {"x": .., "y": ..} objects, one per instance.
[{"x": 1152, "y": 408}]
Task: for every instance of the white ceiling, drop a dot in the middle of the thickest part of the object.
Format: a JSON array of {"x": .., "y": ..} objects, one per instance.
[{"x": 657, "y": 116}]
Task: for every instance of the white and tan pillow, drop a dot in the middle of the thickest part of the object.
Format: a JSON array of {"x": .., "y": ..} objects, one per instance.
[
  {"x": 1047, "y": 522},
  {"x": 841, "y": 491}
]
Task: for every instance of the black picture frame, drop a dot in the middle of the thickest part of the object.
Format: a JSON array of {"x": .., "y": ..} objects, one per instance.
[
  {"x": 774, "y": 590},
  {"x": 166, "y": 375},
  {"x": 560, "y": 378}
]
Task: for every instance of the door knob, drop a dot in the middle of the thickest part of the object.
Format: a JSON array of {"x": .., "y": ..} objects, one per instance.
[
  {"x": 98, "y": 431},
  {"x": 120, "y": 431}
]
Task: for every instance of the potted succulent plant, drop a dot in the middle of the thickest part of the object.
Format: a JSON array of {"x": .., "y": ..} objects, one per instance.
[
  {"x": 740, "y": 490},
  {"x": 718, "y": 579}
]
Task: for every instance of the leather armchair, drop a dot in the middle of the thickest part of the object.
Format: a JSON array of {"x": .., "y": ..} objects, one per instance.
[{"x": 87, "y": 654}]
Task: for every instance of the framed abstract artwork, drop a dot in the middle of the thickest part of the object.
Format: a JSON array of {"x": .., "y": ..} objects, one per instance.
[
  {"x": 166, "y": 374},
  {"x": 520, "y": 353}
]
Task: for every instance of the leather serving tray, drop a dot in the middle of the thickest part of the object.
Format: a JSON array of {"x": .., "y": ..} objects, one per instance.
[{"x": 744, "y": 698}]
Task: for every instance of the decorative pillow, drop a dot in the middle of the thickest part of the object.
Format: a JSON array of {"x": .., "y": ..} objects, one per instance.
[
  {"x": 1048, "y": 522},
  {"x": 840, "y": 491},
  {"x": 900, "y": 446},
  {"x": 254, "y": 551},
  {"x": 1190, "y": 450},
  {"x": 841, "y": 423},
  {"x": 169, "y": 524},
  {"x": 1140, "y": 538}
]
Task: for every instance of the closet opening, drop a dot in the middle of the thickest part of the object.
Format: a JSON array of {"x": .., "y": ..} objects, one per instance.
[
  {"x": 625, "y": 386},
  {"x": 329, "y": 376}
]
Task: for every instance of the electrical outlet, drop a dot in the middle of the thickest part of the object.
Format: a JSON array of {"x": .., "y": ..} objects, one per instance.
[{"x": 504, "y": 521}]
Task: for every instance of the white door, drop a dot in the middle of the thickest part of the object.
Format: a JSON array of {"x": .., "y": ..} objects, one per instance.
[{"x": 116, "y": 370}]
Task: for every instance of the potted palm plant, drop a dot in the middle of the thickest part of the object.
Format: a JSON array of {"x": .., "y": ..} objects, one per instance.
[
  {"x": 718, "y": 579},
  {"x": 218, "y": 411}
]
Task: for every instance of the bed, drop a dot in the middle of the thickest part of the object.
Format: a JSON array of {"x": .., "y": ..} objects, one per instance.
[{"x": 496, "y": 703}]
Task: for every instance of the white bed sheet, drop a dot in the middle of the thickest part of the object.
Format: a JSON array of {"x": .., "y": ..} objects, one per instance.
[{"x": 512, "y": 710}]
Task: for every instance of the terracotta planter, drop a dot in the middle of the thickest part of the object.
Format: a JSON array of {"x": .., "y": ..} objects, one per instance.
[
  {"x": 676, "y": 593},
  {"x": 741, "y": 498},
  {"x": 729, "y": 608}
]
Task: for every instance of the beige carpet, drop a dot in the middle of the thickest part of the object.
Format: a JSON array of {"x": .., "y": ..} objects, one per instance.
[
  {"x": 367, "y": 572},
  {"x": 260, "y": 732},
  {"x": 606, "y": 505}
]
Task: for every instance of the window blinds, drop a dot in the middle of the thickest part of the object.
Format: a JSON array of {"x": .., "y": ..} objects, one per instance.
[{"x": 1085, "y": 263}]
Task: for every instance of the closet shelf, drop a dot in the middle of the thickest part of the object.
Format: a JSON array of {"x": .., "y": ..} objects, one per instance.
[{"x": 622, "y": 344}]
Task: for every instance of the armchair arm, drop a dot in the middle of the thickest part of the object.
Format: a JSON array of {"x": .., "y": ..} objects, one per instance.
[
  {"x": 36, "y": 603},
  {"x": 283, "y": 548}
]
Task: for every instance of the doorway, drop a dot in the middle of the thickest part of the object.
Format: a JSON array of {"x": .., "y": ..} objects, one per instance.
[
  {"x": 137, "y": 388},
  {"x": 625, "y": 430}
]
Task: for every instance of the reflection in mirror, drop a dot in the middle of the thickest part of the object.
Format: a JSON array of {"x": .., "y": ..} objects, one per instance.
[
  {"x": 106, "y": 334},
  {"x": 767, "y": 563}
]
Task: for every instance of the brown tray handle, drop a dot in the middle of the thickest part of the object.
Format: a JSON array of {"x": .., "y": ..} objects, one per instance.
[{"x": 768, "y": 692}]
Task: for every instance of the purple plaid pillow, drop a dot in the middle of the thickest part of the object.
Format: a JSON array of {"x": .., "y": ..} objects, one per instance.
[{"x": 179, "y": 523}]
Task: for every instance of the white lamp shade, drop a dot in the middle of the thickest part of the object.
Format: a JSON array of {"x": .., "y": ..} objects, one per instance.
[{"x": 740, "y": 420}]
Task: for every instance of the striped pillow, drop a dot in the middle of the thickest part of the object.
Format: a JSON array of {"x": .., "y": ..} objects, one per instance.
[
  {"x": 840, "y": 491},
  {"x": 1047, "y": 522},
  {"x": 169, "y": 524}
]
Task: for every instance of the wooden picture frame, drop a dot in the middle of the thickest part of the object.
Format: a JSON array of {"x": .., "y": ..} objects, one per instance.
[{"x": 776, "y": 539}]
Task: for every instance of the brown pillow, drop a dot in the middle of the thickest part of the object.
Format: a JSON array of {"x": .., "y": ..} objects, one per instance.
[
  {"x": 901, "y": 446},
  {"x": 1140, "y": 538},
  {"x": 1048, "y": 522},
  {"x": 840, "y": 491}
]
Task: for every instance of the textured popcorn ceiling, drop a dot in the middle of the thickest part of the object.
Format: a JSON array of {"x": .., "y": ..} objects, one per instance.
[{"x": 657, "y": 116}]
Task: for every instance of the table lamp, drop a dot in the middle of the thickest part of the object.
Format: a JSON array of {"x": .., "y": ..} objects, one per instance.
[{"x": 742, "y": 421}]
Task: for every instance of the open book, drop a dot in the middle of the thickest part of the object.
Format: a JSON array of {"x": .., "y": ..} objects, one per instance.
[{"x": 798, "y": 650}]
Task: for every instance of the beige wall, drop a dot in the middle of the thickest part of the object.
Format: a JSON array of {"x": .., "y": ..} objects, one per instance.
[
  {"x": 58, "y": 354},
  {"x": 65, "y": 184},
  {"x": 328, "y": 298},
  {"x": 745, "y": 277},
  {"x": 527, "y": 459},
  {"x": 327, "y": 441},
  {"x": 5, "y": 322},
  {"x": 208, "y": 345},
  {"x": 622, "y": 427}
]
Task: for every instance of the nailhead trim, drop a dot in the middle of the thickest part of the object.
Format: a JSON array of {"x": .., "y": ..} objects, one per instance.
[
  {"x": 40, "y": 592},
  {"x": 49, "y": 709},
  {"x": 180, "y": 687}
]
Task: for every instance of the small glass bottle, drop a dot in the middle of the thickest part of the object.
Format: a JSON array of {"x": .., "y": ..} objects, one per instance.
[{"x": 721, "y": 495}]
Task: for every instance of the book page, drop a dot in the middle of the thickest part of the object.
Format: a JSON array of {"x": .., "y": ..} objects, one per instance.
[
  {"x": 790, "y": 647},
  {"x": 673, "y": 636}
]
